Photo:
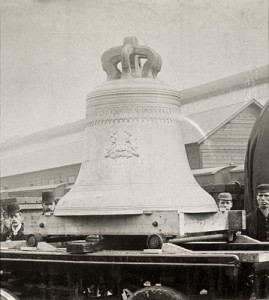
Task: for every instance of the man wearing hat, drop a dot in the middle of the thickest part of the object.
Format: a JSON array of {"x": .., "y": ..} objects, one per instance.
[
  {"x": 258, "y": 221},
  {"x": 225, "y": 201},
  {"x": 15, "y": 232},
  {"x": 48, "y": 202}
]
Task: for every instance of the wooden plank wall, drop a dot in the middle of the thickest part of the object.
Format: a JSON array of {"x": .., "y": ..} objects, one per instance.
[{"x": 228, "y": 145}]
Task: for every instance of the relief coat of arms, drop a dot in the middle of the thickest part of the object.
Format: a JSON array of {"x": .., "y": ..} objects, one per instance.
[{"x": 121, "y": 144}]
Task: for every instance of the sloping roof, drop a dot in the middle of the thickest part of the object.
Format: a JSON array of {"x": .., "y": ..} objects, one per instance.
[
  {"x": 43, "y": 135},
  {"x": 198, "y": 127},
  {"x": 46, "y": 154},
  {"x": 239, "y": 168},
  {"x": 35, "y": 188},
  {"x": 238, "y": 81},
  {"x": 209, "y": 171}
]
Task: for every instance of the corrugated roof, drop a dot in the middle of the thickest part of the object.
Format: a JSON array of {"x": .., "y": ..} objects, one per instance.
[
  {"x": 43, "y": 135},
  {"x": 197, "y": 127},
  {"x": 52, "y": 153},
  {"x": 224, "y": 85}
]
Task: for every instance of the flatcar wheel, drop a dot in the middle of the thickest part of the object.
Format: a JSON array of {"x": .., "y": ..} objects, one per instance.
[
  {"x": 158, "y": 293},
  {"x": 155, "y": 241},
  {"x": 33, "y": 239}
]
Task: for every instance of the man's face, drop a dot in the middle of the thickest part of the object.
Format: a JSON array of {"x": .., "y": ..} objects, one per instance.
[
  {"x": 263, "y": 200},
  {"x": 48, "y": 207},
  {"x": 225, "y": 205},
  {"x": 15, "y": 219}
]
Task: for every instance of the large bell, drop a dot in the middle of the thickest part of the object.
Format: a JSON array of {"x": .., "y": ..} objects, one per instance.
[{"x": 135, "y": 160}]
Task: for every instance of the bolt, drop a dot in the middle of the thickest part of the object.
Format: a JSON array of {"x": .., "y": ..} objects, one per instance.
[{"x": 155, "y": 223}]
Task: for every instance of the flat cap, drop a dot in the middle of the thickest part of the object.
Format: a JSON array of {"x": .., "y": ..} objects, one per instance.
[
  {"x": 48, "y": 197},
  {"x": 225, "y": 196},
  {"x": 263, "y": 188},
  {"x": 13, "y": 208}
]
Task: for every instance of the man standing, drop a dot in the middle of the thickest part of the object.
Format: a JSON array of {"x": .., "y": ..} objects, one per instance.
[
  {"x": 258, "y": 221},
  {"x": 15, "y": 232},
  {"x": 48, "y": 202},
  {"x": 225, "y": 201}
]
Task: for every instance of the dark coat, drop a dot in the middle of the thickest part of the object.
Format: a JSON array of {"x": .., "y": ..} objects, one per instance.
[
  {"x": 4, "y": 232},
  {"x": 255, "y": 225},
  {"x": 9, "y": 236},
  {"x": 257, "y": 159}
]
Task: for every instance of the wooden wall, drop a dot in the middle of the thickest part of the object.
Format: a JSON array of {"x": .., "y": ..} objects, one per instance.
[{"x": 228, "y": 144}]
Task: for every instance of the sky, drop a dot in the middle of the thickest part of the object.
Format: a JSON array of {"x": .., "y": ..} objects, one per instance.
[{"x": 51, "y": 49}]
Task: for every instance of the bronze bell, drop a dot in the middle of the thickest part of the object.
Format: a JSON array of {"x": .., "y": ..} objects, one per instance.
[{"x": 135, "y": 160}]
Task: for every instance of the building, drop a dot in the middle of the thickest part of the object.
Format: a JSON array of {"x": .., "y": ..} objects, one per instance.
[
  {"x": 209, "y": 176},
  {"x": 217, "y": 119},
  {"x": 219, "y": 136}
]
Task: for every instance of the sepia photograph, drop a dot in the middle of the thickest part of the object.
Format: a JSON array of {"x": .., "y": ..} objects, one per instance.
[{"x": 134, "y": 149}]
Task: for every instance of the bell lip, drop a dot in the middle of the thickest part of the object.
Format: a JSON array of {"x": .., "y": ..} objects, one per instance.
[
  {"x": 78, "y": 212},
  {"x": 72, "y": 211}
]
